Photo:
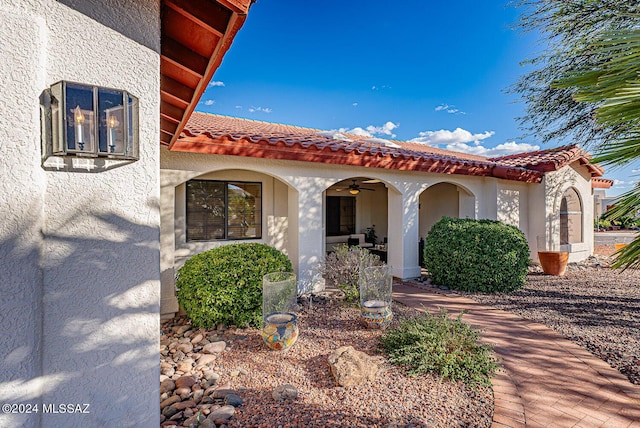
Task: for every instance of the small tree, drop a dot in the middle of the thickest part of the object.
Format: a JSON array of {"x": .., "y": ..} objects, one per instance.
[{"x": 342, "y": 269}]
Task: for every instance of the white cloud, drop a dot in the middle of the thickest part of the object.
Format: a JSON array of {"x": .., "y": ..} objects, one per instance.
[
  {"x": 209, "y": 102},
  {"x": 443, "y": 136},
  {"x": 461, "y": 140},
  {"x": 239, "y": 107},
  {"x": 508, "y": 148},
  {"x": 635, "y": 170},
  {"x": 357, "y": 131},
  {"x": 617, "y": 182},
  {"x": 449, "y": 109},
  {"x": 253, "y": 109},
  {"x": 216, "y": 83},
  {"x": 370, "y": 131},
  {"x": 355, "y": 104},
  {"x": 384, "y": 129}
]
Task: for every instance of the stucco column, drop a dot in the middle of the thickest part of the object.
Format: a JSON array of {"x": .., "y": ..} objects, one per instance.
[
  {"x": 310, "y": 248},
  {"x": 404, "y": 232},
  {"x": 168, "y": 299}
]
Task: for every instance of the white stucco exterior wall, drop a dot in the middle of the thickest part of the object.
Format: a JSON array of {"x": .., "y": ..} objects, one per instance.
[
  {"x": 22, "y": 187},
  {"x": 306, "y": 184},
  {"x": 82, "y": 248},
  {"x": 554, "y": 186},
  {"x": 412, "y": 204}
]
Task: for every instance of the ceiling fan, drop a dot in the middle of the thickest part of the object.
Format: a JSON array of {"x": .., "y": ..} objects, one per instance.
[{"x": 354, "y": 188}]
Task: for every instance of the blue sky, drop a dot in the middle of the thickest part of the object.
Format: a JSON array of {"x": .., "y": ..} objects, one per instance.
[{"x": 428, "y": 71}]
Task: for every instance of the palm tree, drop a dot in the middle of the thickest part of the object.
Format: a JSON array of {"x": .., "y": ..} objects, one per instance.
[{"x": 612, "y": 85}]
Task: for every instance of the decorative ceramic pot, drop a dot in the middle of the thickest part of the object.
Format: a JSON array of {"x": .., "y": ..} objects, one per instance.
[
  {"x": 280, "y": 330},
  {"x": 553, "y": 262},
  {"x": 376, "y": 314}
]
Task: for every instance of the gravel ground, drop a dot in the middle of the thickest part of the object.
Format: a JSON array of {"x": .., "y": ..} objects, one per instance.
[
  {"x": 393, "y": 400},
  {"x": 592, "y": 305}
]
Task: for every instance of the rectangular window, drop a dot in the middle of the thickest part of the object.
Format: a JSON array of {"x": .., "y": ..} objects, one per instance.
[
  {"x": 223, "y": 210},
  {"x": 341, "y": 215}
]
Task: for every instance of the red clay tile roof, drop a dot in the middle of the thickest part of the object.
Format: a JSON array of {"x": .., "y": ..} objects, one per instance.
[
  {"x": 601, "y": 183},
  {"x": 215, "y": 134},
  {"x": 551, "y": 159}
]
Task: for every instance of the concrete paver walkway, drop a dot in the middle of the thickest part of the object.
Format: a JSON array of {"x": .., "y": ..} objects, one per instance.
[{"x": 548, "y": 380}]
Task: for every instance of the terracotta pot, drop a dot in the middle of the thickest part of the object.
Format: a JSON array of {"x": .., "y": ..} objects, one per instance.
[{"x": 553, "y": 262}]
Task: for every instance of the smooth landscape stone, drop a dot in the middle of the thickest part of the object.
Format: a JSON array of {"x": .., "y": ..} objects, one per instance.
[
  {"x": 185, "y": 382},
  {"x": 169, "y": 401},
  {"x": 205, "y": 359},
  {"x": 184, "y": 367},
  {"x": 185, "y": 405},
  {"x": 181, "y": 329},
  {"x": 167, "y": 386},
  {"x": 222, "y": 414},
  {"x": 210, "y": 374},
  {"x": 233, "y": 400},
  {"x": 185, "y": 347},
  {"x": 214, "y": 347},
  {"x": 222, "y": 392}
]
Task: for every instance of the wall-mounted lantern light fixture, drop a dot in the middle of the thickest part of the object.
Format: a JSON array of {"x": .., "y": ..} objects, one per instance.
[{"x": 91, "y": 121}]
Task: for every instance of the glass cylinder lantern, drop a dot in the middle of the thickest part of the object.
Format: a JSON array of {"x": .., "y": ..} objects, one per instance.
[
  {"x": 279, "y": 322},
  {"x": 375, "y": 296}
]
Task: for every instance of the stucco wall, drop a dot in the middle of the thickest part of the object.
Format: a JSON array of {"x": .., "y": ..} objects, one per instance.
[
  {"x": 306, "y": 182},
  {"x": 21, "y": 208},
  {"x": 439, "y": 200},
  {"x": 413, "y": 201},
  {"x": 554, "y": 186},
  {"x": 92, "y": 276}
]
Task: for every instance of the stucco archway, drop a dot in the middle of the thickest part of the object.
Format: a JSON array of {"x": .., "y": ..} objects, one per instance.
[
  {"x": 274, "y": 213},
  {"x": 444, "y": 199},
  {"x": 353, "y": 205}
]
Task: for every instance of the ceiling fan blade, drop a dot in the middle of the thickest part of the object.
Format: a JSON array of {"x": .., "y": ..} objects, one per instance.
[{"x": 372, "y": 181}]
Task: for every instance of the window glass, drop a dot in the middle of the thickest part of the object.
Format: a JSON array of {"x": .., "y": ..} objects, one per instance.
[
  {"x": 570, "y": 218},
  {"x": 223, "y": 210}
]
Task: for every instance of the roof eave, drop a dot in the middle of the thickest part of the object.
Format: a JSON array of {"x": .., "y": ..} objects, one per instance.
[{"x": 296, "y": 152}]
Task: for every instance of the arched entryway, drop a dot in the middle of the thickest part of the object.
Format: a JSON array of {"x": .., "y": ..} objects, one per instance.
[
  {"x": 444, "y": 199},
  {"x": 356, "y": 206}
]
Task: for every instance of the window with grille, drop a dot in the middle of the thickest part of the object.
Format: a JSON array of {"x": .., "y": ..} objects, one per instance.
[{"x": 223, "y": 210}]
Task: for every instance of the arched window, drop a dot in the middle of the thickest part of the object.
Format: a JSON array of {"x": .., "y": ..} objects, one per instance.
[{"x": 570, "y": 217}]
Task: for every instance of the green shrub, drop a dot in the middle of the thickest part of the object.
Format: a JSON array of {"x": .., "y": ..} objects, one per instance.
[
  {"x": 342, "y": 269},
  {"x": 476, "y": 255},
  {"x": 224, "y": 285},
  {"x": 444, "y": 346}
]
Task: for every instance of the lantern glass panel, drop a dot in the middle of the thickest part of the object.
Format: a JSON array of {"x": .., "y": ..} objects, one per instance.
[
  {"x": 57, "y": 124},
  {"x": 132, "y": 114},
  {"x": 111, "y": 109},
  {"x": 80, "y": 121}
]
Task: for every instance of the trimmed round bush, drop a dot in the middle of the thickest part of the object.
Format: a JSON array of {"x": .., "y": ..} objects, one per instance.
[
  {"x": 476, "y": 255},
  {"x": 224, "y": 284}
]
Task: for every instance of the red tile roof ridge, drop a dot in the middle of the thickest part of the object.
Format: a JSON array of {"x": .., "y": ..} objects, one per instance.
[
  {"x": 354, "y": 138},
  {"x": 566, "y": 147},
  {"x": 218, "y": 134}
]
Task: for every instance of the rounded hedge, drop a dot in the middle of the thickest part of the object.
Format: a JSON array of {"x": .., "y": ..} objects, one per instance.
[
  {"x": 224, "y": 284},
  {"x": 476, "y": 255}
]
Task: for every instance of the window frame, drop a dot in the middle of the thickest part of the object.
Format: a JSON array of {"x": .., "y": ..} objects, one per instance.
[
  {"x": 226, "y": 217},
  {"x": 566, "y": 216}
]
